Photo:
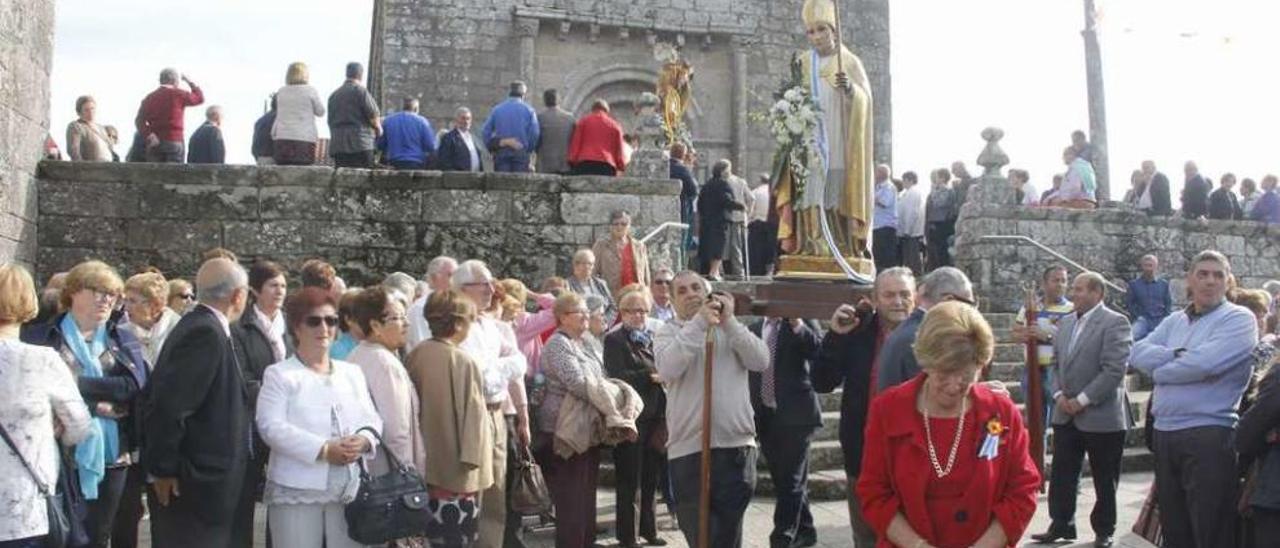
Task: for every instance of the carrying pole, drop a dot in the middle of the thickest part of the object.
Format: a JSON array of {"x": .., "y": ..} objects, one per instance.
[{"x": 704, "y": 485}]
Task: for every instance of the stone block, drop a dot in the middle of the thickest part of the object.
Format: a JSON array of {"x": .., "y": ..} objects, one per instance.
[
  {"x": 361, "y": 234},
  {"x": 535, "y": 208},
  {"x": 272, "y": 237},
  {"x": 465, "y": 206},
  {"x": 172, "y": 235},
  {"x": 190, "y": 201},
  {"x": 594, "y": 208},
  {"x": 103, "y": 200},
  {"x": 303, "y": 176},
  {"x": 84, "y": 232}
]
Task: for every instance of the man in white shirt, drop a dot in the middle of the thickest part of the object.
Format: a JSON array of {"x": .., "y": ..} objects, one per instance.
[
  {"x": 502, "y": 367},
  {"x": 911, "y": 203},
  {"x": 439, "y": 276},
  {"x": 762, "y": 236}
]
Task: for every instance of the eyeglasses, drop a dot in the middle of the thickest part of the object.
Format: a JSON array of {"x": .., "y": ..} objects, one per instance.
[
  {"x": 662, "y": 282},
  {"x": 634, "y": 310},
  {"x": 394, "y": 319},
  {"x": 315, "y": 321},
  {"x": 187, "y": 296},
  {"x": 103, "y": 296}
]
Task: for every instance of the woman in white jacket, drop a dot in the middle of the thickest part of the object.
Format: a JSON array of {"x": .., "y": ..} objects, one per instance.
[
  {"x": 310, "y": 411},
  {"x": 297, "y": 107}
]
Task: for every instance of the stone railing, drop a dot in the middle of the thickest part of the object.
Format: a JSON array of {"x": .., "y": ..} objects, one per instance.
[
  {"x": 1108, "y": 241},
  {"x": 366, "y": 222}
]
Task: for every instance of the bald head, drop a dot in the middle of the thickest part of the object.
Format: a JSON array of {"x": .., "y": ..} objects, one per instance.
[{"x": 223, "y": 285}]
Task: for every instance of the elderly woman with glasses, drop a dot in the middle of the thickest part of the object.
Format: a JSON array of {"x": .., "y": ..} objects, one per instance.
[
  {"x": 111, "y": 373},
  {"x": 585, "y": 283},
  {"x": 312, "y": 412},
  {"x": 622, "y": 259},
  {"x": 381, "y": 318},
  {"x": 149, "y": 319},
  {"x": 181, "y": 296},
  {"x": 979, "y": 486}
]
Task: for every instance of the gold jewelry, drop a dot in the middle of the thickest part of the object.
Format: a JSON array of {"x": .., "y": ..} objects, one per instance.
[{"x": 955, "y": 444}]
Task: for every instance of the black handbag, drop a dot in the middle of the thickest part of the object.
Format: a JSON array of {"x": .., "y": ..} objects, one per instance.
[
  {"x": 389, "y": 507},
  {"x": 60, "y": 529}
]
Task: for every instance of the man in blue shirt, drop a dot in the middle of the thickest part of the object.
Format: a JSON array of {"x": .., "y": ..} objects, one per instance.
[
  {"x": 512, "y": 131},
  {"x": 407, "y": 140},
  {"x": 1200, "y": 360},
  {"x": 884, "y": 221},
  {"x": 1148, "y": 299}
]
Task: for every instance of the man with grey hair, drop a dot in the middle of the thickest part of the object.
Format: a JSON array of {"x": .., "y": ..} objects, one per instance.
[
  {"x": 354, "y": 121},
  {"x": 897, "y": 360},
  {"x": 502, "y": 367},
  {"x": 512, "y": 131},
  {"x": 408, "y": 141},
  {"x": 403, "y": 286},
  {"x": 198, "y": 424},
  {"x": 207, "y": 146},
  {"x": 439, "y": 276},
  {"x": 458, "y": 148},
  {"x": 556, "y": 125},
  {"x": 160, "y": 117}
]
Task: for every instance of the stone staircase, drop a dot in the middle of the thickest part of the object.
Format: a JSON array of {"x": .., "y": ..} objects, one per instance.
[{"x": 826, "y": 468}]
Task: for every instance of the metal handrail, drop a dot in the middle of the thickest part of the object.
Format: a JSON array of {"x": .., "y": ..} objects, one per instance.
[
  {"x": 1059, "y": 256},
  {"x": 660, "y": 228}
]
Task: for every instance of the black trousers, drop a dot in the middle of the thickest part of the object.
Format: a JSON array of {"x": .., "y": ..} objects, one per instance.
[
  {"x": 733, "y": 479},
  {"x": 594, "y": 168},
  {"x": 786, "y": 450},
  {"x": 124, "y": 533},
  {"x": 884, "y": 248},
  {"x": 513, "y": 533},
  {"x": 911, "y": 251},
  {"x": 937, "y": 236},
  {"x": 362, "y": 159},
  {"x": 1104, "y": 449},
  {"x": 1197, "y": 487},
  {"x": 103, "y": 510},
  {"x": 762, "y": 246},
  {"x": 637, "y": 465},
  {"x": 572, "y": 483}
]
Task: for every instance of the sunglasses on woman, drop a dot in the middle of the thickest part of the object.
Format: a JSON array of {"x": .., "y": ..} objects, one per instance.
[{"x": 315, "y": 321}]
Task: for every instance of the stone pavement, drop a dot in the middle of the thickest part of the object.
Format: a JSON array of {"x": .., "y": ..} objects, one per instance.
[{"x": 832, "y": 520}]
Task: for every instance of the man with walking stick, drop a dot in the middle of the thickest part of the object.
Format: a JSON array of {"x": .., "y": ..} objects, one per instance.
[{"x": 705, "y": 347}]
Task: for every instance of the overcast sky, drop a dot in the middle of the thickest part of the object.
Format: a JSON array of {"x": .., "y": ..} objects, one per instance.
[{"x": 1185, "y": 79}]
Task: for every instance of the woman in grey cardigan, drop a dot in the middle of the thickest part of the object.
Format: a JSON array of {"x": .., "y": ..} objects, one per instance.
[{"x": 584, "y": 282}]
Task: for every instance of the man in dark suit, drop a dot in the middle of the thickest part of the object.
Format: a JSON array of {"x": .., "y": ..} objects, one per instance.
[
  {"x": 897, "y": 363},
  {"x": 1158, "y": 190},
  {"x": 848, "y": 359},
  {"x": 787, "y": 415},
  {"x": 1091, "y": 410},
  {"x": 198, "y": 439},
  {"x": 1195, "y": 193},
  {"x": 459, "y": 149},
  {"x": 207, "y": 146},
  {"x": 1223, "y": 203}
]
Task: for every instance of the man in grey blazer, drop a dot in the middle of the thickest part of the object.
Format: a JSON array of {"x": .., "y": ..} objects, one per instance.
[
  {"x": 1091, "y": 410},
  {"x": 557, "y": 130}
]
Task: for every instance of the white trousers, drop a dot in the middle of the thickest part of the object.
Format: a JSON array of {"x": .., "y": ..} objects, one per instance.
[{"x": 309, "y": 526}]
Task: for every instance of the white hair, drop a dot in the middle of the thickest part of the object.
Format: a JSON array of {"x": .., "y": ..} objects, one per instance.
[
  {"x": 439, "y": 263},
  {"x": 472, "y": 271},
  {"x": 946, "y": 280}
]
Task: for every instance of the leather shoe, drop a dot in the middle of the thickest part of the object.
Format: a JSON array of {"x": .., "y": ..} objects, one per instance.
[
  {"x": 655, "y": 541},
  {"x": 805, "y": 541},
  {"x": 1104, "y": 541},
  {"x": 1056, "y": 533}
]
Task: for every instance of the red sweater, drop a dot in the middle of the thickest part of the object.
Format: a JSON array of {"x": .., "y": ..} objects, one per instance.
[
  {"x": 161, "y": 112},
  {"x": 597, "y": 138}
]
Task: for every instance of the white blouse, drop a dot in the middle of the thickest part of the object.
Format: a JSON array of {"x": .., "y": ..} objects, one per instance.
[{"x": 35, "y": 387}]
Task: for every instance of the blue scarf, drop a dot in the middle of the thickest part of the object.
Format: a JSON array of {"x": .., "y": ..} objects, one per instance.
[{"x": 103, "y": 442}]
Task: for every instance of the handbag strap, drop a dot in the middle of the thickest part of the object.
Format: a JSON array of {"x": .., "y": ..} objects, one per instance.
[
  {"x": 391, "y": 456},
  {"x": 44, "y": 489}
]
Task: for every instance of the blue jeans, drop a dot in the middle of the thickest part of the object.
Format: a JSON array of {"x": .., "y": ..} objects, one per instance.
[
  {"x": 1143, "y": 326},
  {"x": 511, "y": 161},
  {"x": 32, "y": 542}
]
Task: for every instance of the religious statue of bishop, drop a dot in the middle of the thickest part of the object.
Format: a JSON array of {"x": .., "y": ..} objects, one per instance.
[{"x": 839, "y": 185}]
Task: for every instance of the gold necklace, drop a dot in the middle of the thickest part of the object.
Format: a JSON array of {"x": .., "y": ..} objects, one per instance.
[{"x": 955, "y": 444}]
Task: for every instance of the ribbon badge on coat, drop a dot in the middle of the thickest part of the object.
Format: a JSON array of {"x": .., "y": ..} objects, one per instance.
[{"x": 991, "y": 445}]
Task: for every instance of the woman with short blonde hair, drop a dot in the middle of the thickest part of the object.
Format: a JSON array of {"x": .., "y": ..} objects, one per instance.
[
  {"x": 181, "y": 296},
  {"x": 150, "y": 320},
  {"x": 35, "y": 391},
  {"x": 297, "y": 108}
]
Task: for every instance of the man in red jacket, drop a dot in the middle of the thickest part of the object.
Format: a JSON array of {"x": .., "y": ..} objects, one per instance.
[
  {"x": 159, "y": 118},
  {"x": 596, "y": 147}
]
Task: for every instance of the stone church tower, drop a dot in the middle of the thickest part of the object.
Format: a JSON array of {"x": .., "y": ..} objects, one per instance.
[{"x": 451, "y": 53}]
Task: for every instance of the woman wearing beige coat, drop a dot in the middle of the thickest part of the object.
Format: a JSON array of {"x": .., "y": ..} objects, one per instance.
[{"x": 621, "y": 259}]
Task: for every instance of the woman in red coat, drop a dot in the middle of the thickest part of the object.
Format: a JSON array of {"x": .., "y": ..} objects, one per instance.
[
  {"x": 946, "y": 461},
  {"x": 596, "y": 145}
]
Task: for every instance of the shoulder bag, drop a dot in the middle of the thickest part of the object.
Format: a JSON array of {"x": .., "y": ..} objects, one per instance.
[
  {"x": 61, "y": 533},
  {"x": 389, "y": 507}
]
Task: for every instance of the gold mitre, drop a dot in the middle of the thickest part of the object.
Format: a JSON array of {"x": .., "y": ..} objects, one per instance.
[{"x": 819, "y": 11}]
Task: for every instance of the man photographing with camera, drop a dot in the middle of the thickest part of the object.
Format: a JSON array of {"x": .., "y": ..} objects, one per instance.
[{"x": 705, "y": 320}]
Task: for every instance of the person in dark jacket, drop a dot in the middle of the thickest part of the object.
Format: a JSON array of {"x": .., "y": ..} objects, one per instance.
[
  {"x": 1254, "y": 440},
  {"x": 848, "y": 359},
  {"x": 1195, "y": 193},
  {"x": 1158, "y": 191},
  {"x": 111, "y": 373},
  {"x": 1224, "y": 205},
  {"x": 787, "y": 415},
  {"x": 460, "y": 150},
  {"x": 679, "y": 171},
  {"x": 264, "y": 150},
  {"x": 715, "y": 201},
  {"x": 207, "y": 146},
  {"x": 628, "y": 355},
  {"x": 197, "y": 422}
]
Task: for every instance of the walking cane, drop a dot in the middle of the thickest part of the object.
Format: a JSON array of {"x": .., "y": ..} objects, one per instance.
[
  {"x": 704, "y": 487},
  {"x": 746, "y": 252}
]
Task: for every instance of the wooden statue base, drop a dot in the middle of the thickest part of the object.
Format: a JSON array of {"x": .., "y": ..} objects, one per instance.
[
  {"x": 809, "y": 267},
  {"x": 806, "y": 299}
]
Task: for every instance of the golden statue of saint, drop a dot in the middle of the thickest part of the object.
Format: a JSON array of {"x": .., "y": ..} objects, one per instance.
[{"x": 839, "y": 185}]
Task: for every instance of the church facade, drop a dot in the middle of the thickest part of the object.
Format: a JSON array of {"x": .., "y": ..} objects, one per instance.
[{"x": 450, "y": 54}]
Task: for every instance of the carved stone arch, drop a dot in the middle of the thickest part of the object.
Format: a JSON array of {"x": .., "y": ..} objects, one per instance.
[{"x": 613, "y": 80}]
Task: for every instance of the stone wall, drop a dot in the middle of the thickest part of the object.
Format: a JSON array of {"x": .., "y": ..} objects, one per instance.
[
  {"x": 26, "y": 59},
  {"x": 448, "y": 53},
  {"x": 367, "y": 223},
  {"x": 1108, "y": 241}
]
